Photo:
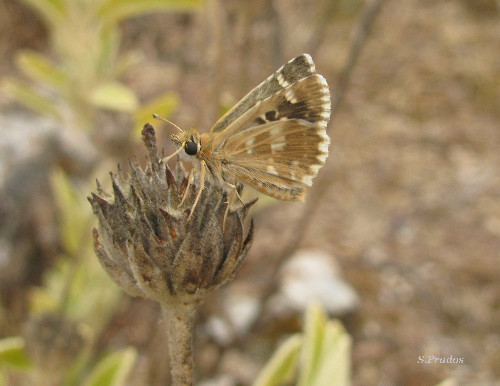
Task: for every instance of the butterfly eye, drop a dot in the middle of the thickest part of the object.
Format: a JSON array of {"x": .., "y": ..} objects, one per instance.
[{"x": 191, "y": 148}]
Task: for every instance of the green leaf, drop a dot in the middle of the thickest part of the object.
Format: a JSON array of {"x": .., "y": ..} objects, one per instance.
[
  {"x": 313, "y": 339},
  {"x": 325, "y": 359},
  {"x": 113, "y": 369},
  {"x": 40, "y": 69},
  {"x": 3, "y": 377},
  {"x": 109, "y": 42},
  {"x": 282, "y": 366},
  {"x": 29, "y": 97},
  {"x": 448, "y": 382},
  {"x": 335, "y": 364},
  {"x": 164, "y": 105},
  {"x": 114, "y": 96},
  {"x": 115, "y": 10},
  {"x": 12, "y": 353},
  {"x": 44, "y": 299},
  {"x": 72, "y": 212}
]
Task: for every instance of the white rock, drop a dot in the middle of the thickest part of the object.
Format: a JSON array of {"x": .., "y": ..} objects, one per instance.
[
  {"x": 308, "y": 276},
  {"x": 240, "y": 311}
]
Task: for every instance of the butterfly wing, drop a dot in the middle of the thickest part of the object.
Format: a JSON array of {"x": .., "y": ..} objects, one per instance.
[
  {"x": 279, "y": 144},
  {"x": 275, "y": 138},
  {"x": 293, "y": 71},
  {"x": 307, "y": 99},
  {"x": 279, "y": 158}
]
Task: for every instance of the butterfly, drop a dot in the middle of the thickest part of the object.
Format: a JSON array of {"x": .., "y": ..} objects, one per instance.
[{"x": 274, "y": 139}]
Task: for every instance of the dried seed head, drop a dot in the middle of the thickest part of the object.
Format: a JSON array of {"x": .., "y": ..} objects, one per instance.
[{"x": 145, "y": 242}]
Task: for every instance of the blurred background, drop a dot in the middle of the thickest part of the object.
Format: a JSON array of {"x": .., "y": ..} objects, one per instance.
[{"x": 401, "y": 227}]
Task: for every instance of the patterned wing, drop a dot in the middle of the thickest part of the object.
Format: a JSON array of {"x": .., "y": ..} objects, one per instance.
[
  {"x": 279, "y": 142},
  {"x": 279, "y": 145},
  {"x": 279, "y": 158},
  {"x": 295, "y": 70},
  {"x": 307, "y": 99}
]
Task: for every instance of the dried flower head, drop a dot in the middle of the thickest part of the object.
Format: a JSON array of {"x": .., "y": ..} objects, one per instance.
[{"x": 146, "y": 243}]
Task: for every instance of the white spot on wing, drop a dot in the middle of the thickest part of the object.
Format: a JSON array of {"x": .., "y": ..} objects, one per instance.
[
  {"x": 323, "y": 135},
  {"x": 326, "y": 100},
  {"x": 323, "y": 123},
  {"x": 323, "y": 146},
  {"x": 290, "y": 96},
  {"x": 282, "y": 81},
  {"x": 271, "y": 170},
  {"x": 275, "y": 130},
  {"x": 325, "y": 115},
  {"x": 322, "y": 158},
  {"x": 314, "y": 169},
  {"x": 323, "y": 82},
  {"x": 249, "y": 143},
  {"x": 278, "y": 146},
  {"x": 308, "y": 180},
  {"x": 310, "y": 62}
]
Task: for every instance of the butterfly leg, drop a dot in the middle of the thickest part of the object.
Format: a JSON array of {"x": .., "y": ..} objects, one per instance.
[
  {"x": 230, "y": 201},
  {"x": 202, "y": 185},
  {"x": 165, "y": 159},
  {"x": 186, "y": 191}
]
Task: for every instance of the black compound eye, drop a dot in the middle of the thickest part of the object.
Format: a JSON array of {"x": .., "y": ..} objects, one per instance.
[{"x": 191, "y": 148}]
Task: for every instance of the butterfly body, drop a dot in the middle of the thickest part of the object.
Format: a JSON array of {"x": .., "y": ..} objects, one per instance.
[{"x": 274, "y": 139}]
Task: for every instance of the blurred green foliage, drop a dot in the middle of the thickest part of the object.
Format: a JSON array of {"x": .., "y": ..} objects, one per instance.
[
  {"x": 77, "y": 285},
  {"x": 73, "y": 83},
  {"x": 12, "y": 353},
  {"x": 113, "y": 369},
  {"x": 320, "y": 356},
  {"x": 78, "y": 288},
  {"x": 82, "y": 75}
]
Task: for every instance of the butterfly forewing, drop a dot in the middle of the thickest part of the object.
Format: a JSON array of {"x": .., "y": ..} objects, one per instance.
[
  {"x": 307, "y": 99},
  {"x": 290, "y": 73}
]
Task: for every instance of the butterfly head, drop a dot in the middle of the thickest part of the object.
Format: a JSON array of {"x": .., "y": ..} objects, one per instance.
[{"x": 189, "y": 140}]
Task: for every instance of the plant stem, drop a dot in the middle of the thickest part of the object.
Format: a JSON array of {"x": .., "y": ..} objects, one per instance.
[{"x": 180, "y": 324}]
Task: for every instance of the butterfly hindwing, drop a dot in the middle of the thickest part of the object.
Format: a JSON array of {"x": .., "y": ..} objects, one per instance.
[{"x": 283, "y": 157}]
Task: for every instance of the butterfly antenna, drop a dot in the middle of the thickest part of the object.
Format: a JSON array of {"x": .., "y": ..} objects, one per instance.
[{"x": 156, "y": 116}]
